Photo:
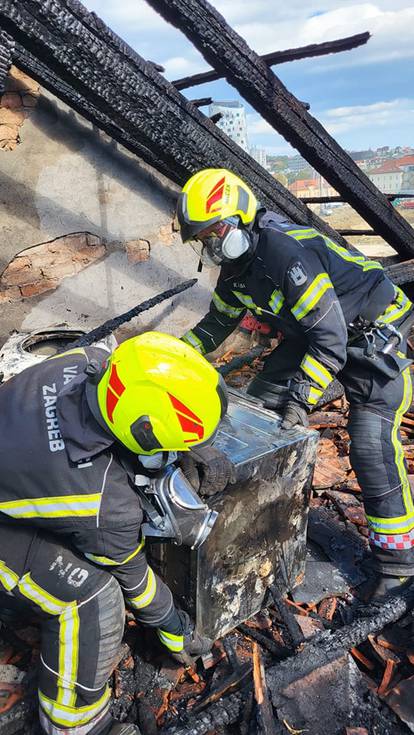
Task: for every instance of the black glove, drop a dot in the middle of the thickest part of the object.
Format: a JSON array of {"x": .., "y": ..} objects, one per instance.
[
  {"x": 294, "y": 415},
  {"x": 207, "y": 469}
]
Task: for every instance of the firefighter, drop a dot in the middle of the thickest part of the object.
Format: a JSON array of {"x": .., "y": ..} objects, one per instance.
[
  {"x": 339, "y": 314},
  {"x": 75, "y": 429}
]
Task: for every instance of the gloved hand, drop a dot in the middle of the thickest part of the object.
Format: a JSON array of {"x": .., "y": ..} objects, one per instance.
[
  {"x": 207, "y": 469},
  {"x": 195, "y": 645},
  {"x": 294, "y": 415}
]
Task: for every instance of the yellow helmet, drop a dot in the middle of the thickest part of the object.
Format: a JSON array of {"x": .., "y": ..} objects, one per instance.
[
  {"x": 159, "y": 394},
  {"x": 212, "y": 195}
]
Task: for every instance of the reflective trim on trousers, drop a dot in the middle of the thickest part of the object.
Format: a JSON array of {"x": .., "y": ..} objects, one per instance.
[
  {"x": 173, "y": 642},
  {"x": 147, "y": 596},
  {"x": 394, "y": 542},
  {"x": 68, "y": 716}
]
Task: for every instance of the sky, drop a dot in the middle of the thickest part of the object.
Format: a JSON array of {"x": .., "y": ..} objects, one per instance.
[{"x": 364, "y": 97}]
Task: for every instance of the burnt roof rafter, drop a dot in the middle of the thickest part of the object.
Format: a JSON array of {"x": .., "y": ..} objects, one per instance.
[{"x": 282, "y": 57}]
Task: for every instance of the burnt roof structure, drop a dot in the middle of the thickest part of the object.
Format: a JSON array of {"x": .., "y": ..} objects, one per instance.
[{"x": 71, "y": 52}]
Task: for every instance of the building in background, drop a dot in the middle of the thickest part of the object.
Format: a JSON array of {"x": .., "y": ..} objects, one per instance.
[
  {"x": 394, "y": 175},
  {"x": 259, "y": 155},
  {"x": 233, "y": 120}
]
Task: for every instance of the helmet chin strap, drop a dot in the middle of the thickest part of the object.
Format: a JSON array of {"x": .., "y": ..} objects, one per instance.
[{"x": 236, "y": 243}]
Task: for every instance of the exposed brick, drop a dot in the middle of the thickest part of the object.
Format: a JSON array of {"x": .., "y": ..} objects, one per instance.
[
  {"x": 7, "y": 295},
  {"x": 18, "y": 81},
  {"x": 9, "y": 137},
  {"x": 35, "y": 289},
  {"x": 11, "y": 100},
  {"x": 11, "y": 117},
  {"x": 19, "y": 274},
  {"x": 165, "y": 234},
  {"x": 137, "y": 250},
  {"x": 59, "y": 270}
]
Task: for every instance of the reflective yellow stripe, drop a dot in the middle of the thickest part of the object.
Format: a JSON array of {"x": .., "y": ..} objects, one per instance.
[
  {"x": 147, "y": 596},
  {"x": 366, "y": 265},
  {"x": 191, "y": 339},
  {"x": 312, "y": 295},
  {"x": 223, "y": 308},
  {"x": 314, "y": 395},
  {"x": 276, "y": 301},
  {"x": 360, "y": 260},
  {"x": 106, "y": 561},
  {"x": 68, "y": 716},
  {"x": 247, "y": 301},
  {"x": 47, "y": 602},
  {"x": 400, "y": 524},
  {"x": 53, "y": 507},
  {"x": 315, "y": 370},
  {"x": 397, "y": 308},
  {"x": 76, "y": 351},
  {"x": 8, "y": 578},
  {"x": 68, "y": 655},
  {"x": 172, "y": 642}
]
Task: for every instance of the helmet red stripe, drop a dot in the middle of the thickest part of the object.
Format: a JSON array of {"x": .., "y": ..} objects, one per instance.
[
  {"x": 115, "y": 382},
  {"x": 111, "y": 402},
  {"x": 190, "y": 427},
  {"x": 184, "y": 409},
  {"x": 215, "y": 195}
]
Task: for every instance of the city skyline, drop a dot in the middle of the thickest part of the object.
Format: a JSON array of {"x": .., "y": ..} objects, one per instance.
[{"x": 363, "y": 97}]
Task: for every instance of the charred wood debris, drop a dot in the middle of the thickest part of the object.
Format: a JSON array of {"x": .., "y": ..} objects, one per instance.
[{"x": 319, "y": 661}]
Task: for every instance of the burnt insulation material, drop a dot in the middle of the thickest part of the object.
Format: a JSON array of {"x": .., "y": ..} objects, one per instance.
[
  {"x": 111, "y": 85},
  {"x": 229, "y": 54}
]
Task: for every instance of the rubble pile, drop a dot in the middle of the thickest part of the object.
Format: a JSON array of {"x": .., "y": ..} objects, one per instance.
[{"x": 319, "y": 661}]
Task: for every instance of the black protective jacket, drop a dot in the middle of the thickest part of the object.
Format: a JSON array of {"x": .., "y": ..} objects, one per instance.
[
  {"x": 60, "y": 471},
  {"x": 303, "y": 284}
]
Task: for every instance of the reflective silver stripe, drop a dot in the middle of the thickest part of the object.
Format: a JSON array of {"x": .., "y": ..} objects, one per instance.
[
  {"x": 191, "y": 339},
  {"x": 223, "y": 308},
  {"x": 314, "y": 395},
  {"x": 52, "y": 507},
  {"x": 171, "y": 641},
  {"x": 247, "y": 301},
  {"x": 47, "y": 602},
  {"x": 276, "y": 301},
  {"x": 147, "y": 596},
  {"x": 311, "y": 296},
  {"x": 8, "y": 578},
  {"x": 71, "y": 716},
  {"x": 315, "y": 370}
]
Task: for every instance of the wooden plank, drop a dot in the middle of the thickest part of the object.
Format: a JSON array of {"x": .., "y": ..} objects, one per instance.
[
  {"x": 281, "y": 57},
  {"x": 230, "y": 55}
]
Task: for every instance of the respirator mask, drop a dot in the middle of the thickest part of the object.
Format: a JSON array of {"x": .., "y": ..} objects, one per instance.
[
  {"x": 172, "y": 509},
  {"x": 222, "y": 242}
]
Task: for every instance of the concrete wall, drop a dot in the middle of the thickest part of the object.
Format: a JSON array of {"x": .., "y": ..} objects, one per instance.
[{"x": 62, "y": 176}]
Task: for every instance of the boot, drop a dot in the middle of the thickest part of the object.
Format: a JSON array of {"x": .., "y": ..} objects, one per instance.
[
  {"x": 195, "y": 644},
  {"x": 380, "y": 585},
  {"x": 125, "y": 728}
]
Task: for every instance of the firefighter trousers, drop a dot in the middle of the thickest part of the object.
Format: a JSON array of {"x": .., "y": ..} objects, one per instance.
[
  {"x": 81, "y": 609},
  {"x": 377, "y": 404}
]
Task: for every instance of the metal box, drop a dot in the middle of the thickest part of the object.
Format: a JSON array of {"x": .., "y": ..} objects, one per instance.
[{"x": 262, "y": 518}]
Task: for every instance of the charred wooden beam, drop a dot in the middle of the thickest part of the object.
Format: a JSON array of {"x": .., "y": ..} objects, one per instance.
[
  {"x": 202, "y": 102},
  {"x": 323, "y": 200},
  {"x": 356, "y": 233},
  {"x": 326, "y": 647},
  {"x": 230, "y": 55},
  {"x": 124, "y": 95},
  {"x": 281, "y": 57},
  {"x": 6, "y": 51}
]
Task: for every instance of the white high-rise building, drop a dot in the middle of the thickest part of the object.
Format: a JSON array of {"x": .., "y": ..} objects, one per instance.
[
  {"x": 233, "y": 121},
  {"x": 259, "y": 155}
]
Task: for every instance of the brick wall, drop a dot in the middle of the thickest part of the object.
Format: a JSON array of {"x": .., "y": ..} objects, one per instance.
[
  {"x": 41, "y": 268},
  {"x": 16, "y": 104}
]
